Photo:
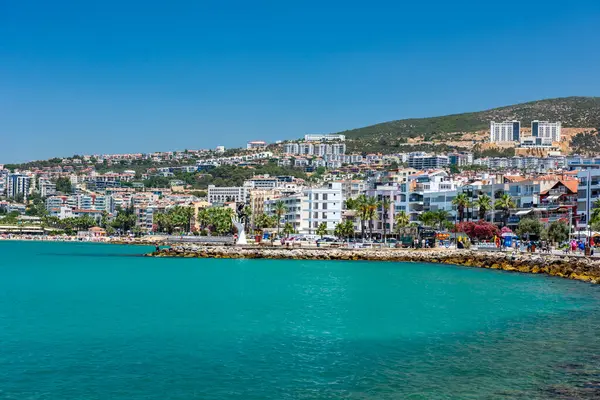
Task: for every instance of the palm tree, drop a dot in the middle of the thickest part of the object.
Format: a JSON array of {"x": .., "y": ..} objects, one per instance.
[
  {"x": 322, "y": 229},
  {"x": 221, "y": 219},
  {"x": 279, "y": 209},
  {"x": 461, "y": 201},
  {"x": 428, "y": 218},
  {"x": 385, "y": 204},
  {"x": 247, "y": 214},
  {"x": 505, "y": 203},
  {"x": 441, "y": 217},
  {"x": 262, "y": 221},
  {"x": 595, "y": 214},
  {"x": 344, "y": 229},
  {"x": 288, "y": 229},
  {"x": 484, "y": 204},
  {"x": 401, "y": 220},
  {"x": 351, "y": 204},
  {"x": 372, "y": 205},
  {"x": 362, "y": 212},
  {"x": 203, "y": 218}
]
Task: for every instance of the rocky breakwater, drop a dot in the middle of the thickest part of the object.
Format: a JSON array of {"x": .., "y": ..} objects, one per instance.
[{"x": 579, "y": 268}]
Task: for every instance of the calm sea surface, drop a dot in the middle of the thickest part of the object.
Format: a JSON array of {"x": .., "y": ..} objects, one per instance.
[{"x": 92, "y": 321}]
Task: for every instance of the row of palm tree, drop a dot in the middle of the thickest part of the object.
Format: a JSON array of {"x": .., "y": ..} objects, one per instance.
[
  {"x": 366, "y": 210},
  {"x": 484, "y": 205}
]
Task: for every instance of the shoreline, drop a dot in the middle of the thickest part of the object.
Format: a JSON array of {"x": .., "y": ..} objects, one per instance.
[
  {"x": 570, "y": 267},
  {"x": 73, "y": 239}
]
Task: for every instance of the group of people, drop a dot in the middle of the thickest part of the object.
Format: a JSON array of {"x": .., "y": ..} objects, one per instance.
[{"x": 579, "y": 246}]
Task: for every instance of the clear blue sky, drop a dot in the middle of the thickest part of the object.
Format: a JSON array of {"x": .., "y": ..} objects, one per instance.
[{"x": 81, "y": 77}]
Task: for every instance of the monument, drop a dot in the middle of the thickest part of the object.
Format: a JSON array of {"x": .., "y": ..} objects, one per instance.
[{"x": 239, "y": 221}]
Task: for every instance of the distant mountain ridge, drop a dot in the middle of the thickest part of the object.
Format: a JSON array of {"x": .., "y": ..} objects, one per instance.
[{"x": 573, "y": 112}]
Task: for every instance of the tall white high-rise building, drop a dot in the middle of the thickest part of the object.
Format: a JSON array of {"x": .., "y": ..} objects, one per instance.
[
  {"x": 507, "y": 131},
  {"x": 548, "y": 131},
  {"x": 18, "y": 184}
]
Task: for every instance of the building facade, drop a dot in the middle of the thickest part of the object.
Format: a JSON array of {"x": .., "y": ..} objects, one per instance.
[
  {"x": 508, "y": 131},
  {"x": 547, "y": 131},
  {"x": 18, "y": 184},
  {"x": 220, "y": 195}
]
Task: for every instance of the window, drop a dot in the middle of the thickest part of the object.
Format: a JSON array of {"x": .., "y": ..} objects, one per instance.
[
  {"x": 315, "y": 215},
  {"x": 316, "y": 196},
  {"x": 324, "y": 215},
  {"x": 324, "y": 196},
  {"x": 324, "y": 206}
]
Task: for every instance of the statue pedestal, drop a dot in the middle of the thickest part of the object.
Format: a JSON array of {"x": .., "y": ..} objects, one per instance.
[{"x": 241, "y": 233}]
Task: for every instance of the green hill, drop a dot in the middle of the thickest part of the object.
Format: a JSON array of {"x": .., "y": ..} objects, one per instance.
[{"x": 576, "y": 112}]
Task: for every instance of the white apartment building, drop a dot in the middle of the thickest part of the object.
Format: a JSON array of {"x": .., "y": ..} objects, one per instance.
[
  {"x": 314, "y": 206},
  {"x": 588, "y": 192},
  {"x": 324, "y": 206},
  {"x": 296, "y": 212},
  {"x": 424, "y": 161},
  {"x": 547, "y": 131},
  {"x": 47, "y": 188},
  {"x": 427, "y": 191},
  {"x": 351, "y": 189},
  {"x": 306, "y": 149},
  {"x": 17, "y": 184},
  {"x": 220, "y": 195},
  {"x": 83, "y": 202},
  {"x": 3, "y": 181},
  {"x": 315, "y": 149},
  {"x": 262, "y": 182},
  {"x": 508, "y": 131},
  {"x": 326, "y": 137},
  {"x": 256, "y": 145},
  {"x": 291, "y": 148}
]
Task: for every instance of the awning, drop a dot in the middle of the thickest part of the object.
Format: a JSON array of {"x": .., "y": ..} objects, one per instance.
[
  {"x": 520, "y": 213},
  {"x": 553, "y": 198}
]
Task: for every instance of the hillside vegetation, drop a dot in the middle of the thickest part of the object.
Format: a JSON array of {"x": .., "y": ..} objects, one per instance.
[{"x": 575, "y": 112}]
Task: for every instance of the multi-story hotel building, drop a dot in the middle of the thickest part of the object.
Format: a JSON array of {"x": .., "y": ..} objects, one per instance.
[
  {"x": 220, "y": 195},
  {"x": 314, "y": 206},
  {"x": 17, "y": 184},
  {"x": 547, "y": 131},
  {"x": 508, "y": 131}
]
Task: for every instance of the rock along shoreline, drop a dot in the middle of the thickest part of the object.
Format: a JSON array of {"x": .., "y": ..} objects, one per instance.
[{"x": 571, "y": 267}]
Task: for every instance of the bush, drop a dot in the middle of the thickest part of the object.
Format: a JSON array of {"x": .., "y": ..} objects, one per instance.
[{"x": 480, "y": 230}]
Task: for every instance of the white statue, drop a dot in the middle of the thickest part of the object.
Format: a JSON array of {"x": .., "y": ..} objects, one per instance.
[
  {"x": 241, "y": 232},
  {"x": 238, "y": 221}
]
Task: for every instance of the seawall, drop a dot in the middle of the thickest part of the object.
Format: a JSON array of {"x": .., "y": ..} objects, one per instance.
[{"x": 571, "y": 267}]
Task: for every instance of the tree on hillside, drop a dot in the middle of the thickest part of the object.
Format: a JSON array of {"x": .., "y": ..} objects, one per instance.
[{"x": 63, "y": 185}]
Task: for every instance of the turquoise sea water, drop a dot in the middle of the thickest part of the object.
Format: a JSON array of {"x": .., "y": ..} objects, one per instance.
[{"x": 92, "y": 321}]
